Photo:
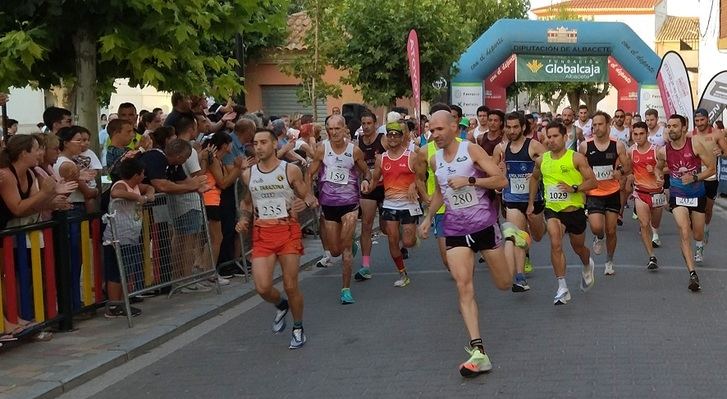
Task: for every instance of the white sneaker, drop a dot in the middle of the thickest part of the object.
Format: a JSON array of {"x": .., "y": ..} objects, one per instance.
[
  {"x": 597, "y": 246},
  {"x": 403, "y": 281},
  {"x": 588, "y": 278},
  {"x": 562, "y": 296},
  {"x": 222, "y": 281},
  {"x": 655, "y": 241},
  {"x": 609, "y": 269}
]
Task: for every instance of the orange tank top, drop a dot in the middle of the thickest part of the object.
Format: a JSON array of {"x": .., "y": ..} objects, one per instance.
[{"x": 211, "y": 197}]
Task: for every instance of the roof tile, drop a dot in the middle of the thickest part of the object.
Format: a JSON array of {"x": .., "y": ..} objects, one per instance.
[
  {"x": 679, "y": 28},
  {"x": 298, "y": 25},
  {"x": 601, "y": 5}
]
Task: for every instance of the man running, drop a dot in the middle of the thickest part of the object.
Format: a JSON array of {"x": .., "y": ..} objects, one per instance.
[
  {"x": 470, "y": 224},
  {"x": 658, "y": 137},
  {"x": 685, "y": 157},
  {"x": 574, "y": 134},
  {"x": 519, "y": 156},
  {"x": 276, "y": 234},
  {"x": 621, "y": 132},
  {"x": 482, "y": 124},
  {"x": 714, "y": 142},
  {"x": 610, "y": 162},
  {"x": 584, "y": 122},
  {"x": 649, "y": 197},
  {"x": 371, "y": 144},
  {"x": 401, "y": 206},
  {"x": 495, "y": 122},
  {"x": 566, "y": 177},
  {"x": 343, "y": 168}
]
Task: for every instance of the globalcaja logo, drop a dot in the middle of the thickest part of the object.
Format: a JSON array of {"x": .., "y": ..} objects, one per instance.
[{"x": 534, "y": 66}]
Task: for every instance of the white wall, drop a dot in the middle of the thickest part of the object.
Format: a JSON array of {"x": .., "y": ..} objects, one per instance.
[
  {"x": 644, "y": 25},
  {"x": 711, "y": 59},
  {"x": 147, "y": 98},
  {"x": 26, "y": 106}
]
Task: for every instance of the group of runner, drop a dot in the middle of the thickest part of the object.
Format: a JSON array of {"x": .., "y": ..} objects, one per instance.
[{"x": 558, "y": 180}]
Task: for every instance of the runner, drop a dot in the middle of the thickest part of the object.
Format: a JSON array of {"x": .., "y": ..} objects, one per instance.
[
  {"x": 657, "y": 136},
  {"x": 338, "y": 181},
  {"x": 482, "y": 124},
  {"x": 649, "y": 198},
  {"x": 276, "y": 234},
  {"x": 371, "y": 144},
  {"x": 496, "y": 122},
  {"x": 621, "y": 132},
  {"x": 685, "y": 157},
  {"x": 566, "y": 177},
  {"x": 584, "y": 122},
  {"x": 714, "y": 143},
  {"x": 519, "y": 156},
  {"x": 470, "y": 224},
  {"x": 400, "y": 207},
  {"x": 574, "y": 133},
  {"x": 610, "y": 162}
]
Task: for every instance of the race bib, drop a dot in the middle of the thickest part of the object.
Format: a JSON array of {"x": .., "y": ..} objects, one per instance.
[
  {"x": 603, "y": 172},
  {"x": 272, "y": 209},
  {"x": 415, "y": 210},
  {"x": 689, "y": 202},
  {"x": 337, "y": 175},
  {"x": 465, "y": 197},
  {"x": 658, "y": 200},
  {"x": 519, "y": 185},
  {"x": 555, "y": 194}
]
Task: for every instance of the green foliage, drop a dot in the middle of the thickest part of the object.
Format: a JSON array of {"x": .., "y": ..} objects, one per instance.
[
  {"x": 483, "y": 13},
  {"x": 162, "y": 43},
  {"x": 370, "y": 41}
]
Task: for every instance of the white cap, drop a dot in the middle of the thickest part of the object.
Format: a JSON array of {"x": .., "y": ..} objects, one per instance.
[{"x": 393, "y": 117}]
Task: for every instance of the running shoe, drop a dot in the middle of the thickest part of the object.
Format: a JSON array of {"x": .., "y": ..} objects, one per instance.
[
  {"x": 699, "y": 255},
  {"x": 694, "y": 285},
  {"x": 521, "y": 238},
  {"x": 520, "y": 286},
  {"x": 405, "y": 253},
  {"x": 324, "y": 262},
  {"x": 655, "y": 240},
  {"x": 354, "y": 248},
  {"x": 221, "y": 280},
  {"x": 298, "y": 339},
  {"x": 634, "y": 216},
  {"x": 588, "y": 278},
  {"x": 653, "y": 266},
  {"x": 279, "y": 320},
  {"x": 115, "y": 311},
  {"x": 620, "y": 220},
  {"x": 346, "y": 297},
  {"x": 609, "y": 269},
  {"x": 403, "y": 281},
  {"x": 477, "y": 364},
  {"x": 562, "y": 296},
  {"x": 528, "y": 265},
  {"x": 597, "y": 245},
  {"x": 362, "y": 274}
]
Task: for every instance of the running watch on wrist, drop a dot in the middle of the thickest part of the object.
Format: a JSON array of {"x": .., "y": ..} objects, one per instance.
[
  {"x": 575, "y": 188},
  {"x": 472, "y": 180},
  {"x": 695, "y": 176}
]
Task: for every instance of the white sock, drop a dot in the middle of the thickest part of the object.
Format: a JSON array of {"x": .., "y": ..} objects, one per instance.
[
  {"x": 561, "y": 283},
  {"x": 328, "y": 254},
  {"x": 700, "y": 244}
]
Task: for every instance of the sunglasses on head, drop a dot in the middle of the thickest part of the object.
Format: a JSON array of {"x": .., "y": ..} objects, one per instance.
[{"x": 394, "y": 133}]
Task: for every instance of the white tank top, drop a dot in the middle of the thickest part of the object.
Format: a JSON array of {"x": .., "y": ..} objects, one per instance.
[
  {"x": 622, "y": 136},
  {"x": 657, "y": 139},
  {"x": 77, "y": 195},
  {"x": 272, "y": 196},
  {"x": 586, "y": 127}
]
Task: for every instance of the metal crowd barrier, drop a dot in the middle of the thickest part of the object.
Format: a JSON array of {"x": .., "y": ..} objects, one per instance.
[
  {"x": 162, "y": 243},
  {"x": 50, "y": 272}
]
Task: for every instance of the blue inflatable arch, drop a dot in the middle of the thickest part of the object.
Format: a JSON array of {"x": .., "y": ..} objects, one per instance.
[{"x": 519, "y": 36}]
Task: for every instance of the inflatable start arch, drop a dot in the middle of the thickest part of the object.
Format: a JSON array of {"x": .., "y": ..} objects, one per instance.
[{"x": 519, "y": 50}]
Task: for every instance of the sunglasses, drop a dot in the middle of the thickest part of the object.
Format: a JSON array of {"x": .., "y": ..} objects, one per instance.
[{"x": 394, "y": 133}]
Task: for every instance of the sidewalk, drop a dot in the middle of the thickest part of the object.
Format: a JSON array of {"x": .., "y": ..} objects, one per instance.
[{"x": 47, "y": 369}]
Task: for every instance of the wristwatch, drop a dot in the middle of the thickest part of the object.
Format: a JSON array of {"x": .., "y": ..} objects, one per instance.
[
  {"x": 695, "y": 176},
  {"x": 472, "y": 180},
  {"x": 575, "y": 188}
]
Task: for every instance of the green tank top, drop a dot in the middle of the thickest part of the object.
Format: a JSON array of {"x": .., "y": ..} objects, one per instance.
[
  {"x": 557, "y": 171},
  {"x": 431, "y": 178}
]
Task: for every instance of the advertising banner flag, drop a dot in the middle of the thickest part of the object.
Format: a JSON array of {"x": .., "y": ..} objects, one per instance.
[
  {"x": 559, "y": 68},
  {"x": 714, "y": 98},
  {"x": 674, "y": 86},
  {"x": 412, "y": 51},
  {"x": 496, "y": 84}
]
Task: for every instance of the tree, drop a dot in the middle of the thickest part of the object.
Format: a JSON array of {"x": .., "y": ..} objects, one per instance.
[
  {"x": 160, "y": 43},
  {"x": 483, "y": 13},
  {"x": 368, "y": 39},
  {"x": 310, "y": 64}
]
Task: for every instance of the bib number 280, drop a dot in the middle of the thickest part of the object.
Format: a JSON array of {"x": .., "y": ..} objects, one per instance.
[{"x": 465, "y": 197}]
